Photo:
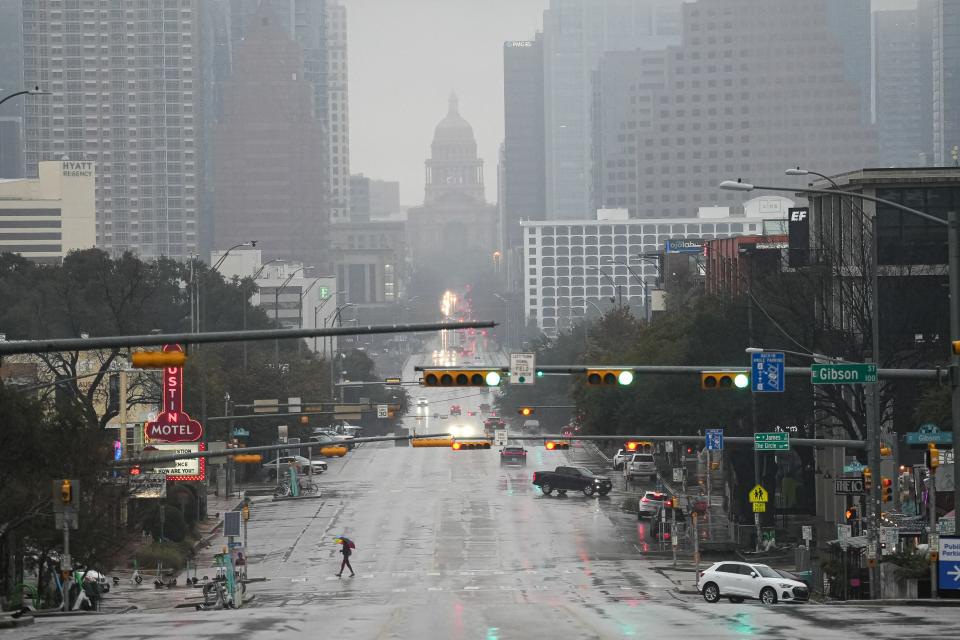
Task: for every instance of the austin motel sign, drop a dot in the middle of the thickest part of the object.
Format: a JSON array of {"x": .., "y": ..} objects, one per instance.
[{"x": 173, "y": 424}]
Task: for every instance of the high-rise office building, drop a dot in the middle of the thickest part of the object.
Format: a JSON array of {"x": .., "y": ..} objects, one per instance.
[
  {"x": 320, "y": 28},
  {"x": 903, "y": 67},
  {"x": 11, "y": 81},
  {"x": 523, "y": 178},
  {"x": 269, "y": 166},
  {"x": 576, "y": 33},
  {"x": 946, "y": 83},
  {"x": 121, "y": 74},
  {"x": 755, "y": 88}
]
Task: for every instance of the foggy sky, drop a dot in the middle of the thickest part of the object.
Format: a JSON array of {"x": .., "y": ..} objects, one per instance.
[{"x": 406, "y": 56}]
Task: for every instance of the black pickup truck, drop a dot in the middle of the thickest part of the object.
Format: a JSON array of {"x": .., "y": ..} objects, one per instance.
[{"x": 563, "y": 479}]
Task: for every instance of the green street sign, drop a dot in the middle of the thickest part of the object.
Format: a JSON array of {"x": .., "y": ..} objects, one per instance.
[
  {"x": 773, "y": 441},
  {"x": 857, "y": 373},
  {"x": 324, "y": 293}
]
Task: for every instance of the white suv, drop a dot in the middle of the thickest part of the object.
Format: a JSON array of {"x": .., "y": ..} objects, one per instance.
[
  {"x": 739, "y": 580},
  {"x": 640, "y": 465}
]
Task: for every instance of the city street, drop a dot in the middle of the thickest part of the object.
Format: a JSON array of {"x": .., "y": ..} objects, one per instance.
[{"x": 452, "y": 545}]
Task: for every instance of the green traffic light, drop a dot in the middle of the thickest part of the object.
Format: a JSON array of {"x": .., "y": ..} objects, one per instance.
[
  {"x": 493, "y": 378},
  {"x": 625, "y": 377},
  {"x": 539, "y": 374},
  {"x": 741, "y": 381}
]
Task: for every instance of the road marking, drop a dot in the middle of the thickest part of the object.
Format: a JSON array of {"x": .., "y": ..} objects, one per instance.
[
  {"x": 298, "y": 579},
  {"x": 471, "y": 588},
  {"x": 400, "y": 590},
  {"x": 434, "y": 588}
]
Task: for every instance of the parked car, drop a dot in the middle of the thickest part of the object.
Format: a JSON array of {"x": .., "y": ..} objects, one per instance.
[
  {"x": 620, "y": 457},
  {"x": 563, "y": 479},
  {"x": 455, "y": 410},
  {"x": 739, "y": 580},
  {"x": 303, "y": 465},
  {"x": 513, "y": 455},
  {"x": 640, "y": 465},
  {"x": 650, "y": 503}
]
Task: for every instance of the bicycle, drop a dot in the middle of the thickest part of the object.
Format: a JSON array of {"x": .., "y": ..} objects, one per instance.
[{"x": 284, "y": 490}]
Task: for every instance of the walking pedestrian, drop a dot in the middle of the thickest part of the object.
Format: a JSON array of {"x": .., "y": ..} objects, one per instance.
[{"x": 346, "y": 548}]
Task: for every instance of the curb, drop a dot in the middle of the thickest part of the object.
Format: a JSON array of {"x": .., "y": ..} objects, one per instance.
[
  {"x": 894, "y": 603},
  {"x": 15, "y": 623},
  {"x": 687, "y": 592},
  {"x": 283, "y": 498}
]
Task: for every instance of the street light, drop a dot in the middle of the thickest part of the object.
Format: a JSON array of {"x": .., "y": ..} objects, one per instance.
[
  {"x": 812, "y": 355},
  {"x": 615, "y": 286},
  {"x": 251, "y": 243},
  {"x": 953, "y": 240},
  {"x": 246, "y": 298},
  {"x": 27, "y": 92},
  {"x": 317, "y": 309},
  {"x": 276, "y": 313},
  {"x": 646, "y": 298}
]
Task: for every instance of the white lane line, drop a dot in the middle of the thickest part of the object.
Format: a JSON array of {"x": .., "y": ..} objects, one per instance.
[
  {"x": 471, "y": 588},
  {"x": 434, "y": 588}
]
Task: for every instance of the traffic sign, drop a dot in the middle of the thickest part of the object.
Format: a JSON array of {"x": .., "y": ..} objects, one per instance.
[
  {"x": 714, "y": 439},
  {"x": 758, "y": 494},
  {"x": 807, "y": 532},
  {"x": 948, "y": 565},
  {"x": 853, "y": 467},
  {"x": 383, "y": 411},
  {"x": 231, "y": 523},
  {"x": 847, "y": 373},
  {"x": 929, "y": 432},
  {"x": 848, "y": 486},
  {"x": 678, "y": 474},
  {"x": 759, "y": 507},
  {"x": 772, "y": 441},
  {"x": 522, "y": 368},
  {"x": 768, "y": 372}
]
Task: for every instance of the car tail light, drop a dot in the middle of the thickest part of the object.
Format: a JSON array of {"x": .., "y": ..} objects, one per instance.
[{"x": 668, "y": 503}]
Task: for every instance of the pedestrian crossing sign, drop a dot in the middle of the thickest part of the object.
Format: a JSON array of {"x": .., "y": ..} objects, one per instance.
[{"x": 758, "y": 494}]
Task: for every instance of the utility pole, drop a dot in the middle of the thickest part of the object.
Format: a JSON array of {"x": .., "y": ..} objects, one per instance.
[
  {"x": 753, "y": 404},
  {"x": 953, "y": 231},
  {"x": 874, "y": 417}
]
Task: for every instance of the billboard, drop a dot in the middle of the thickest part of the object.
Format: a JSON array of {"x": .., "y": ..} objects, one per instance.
[
  {"x": 684, "y": 245},
  {"x": 799, "y": 230}
]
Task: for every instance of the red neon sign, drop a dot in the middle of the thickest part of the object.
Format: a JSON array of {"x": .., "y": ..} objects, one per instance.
[{"x": 173, "y": 424}]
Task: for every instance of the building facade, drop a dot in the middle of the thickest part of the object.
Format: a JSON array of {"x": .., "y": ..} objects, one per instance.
[
  {"x": 946, "y": 83},
  {"x": 725, "y": 104},
  {"x": 44, "y": 219},
  {"x": 320, "y": 28},
  {"x": 269, "y": 170},
  {"x": 522, "y": 182},
  {"x": 573, "y": 267},
  {"x": 293, "y": 300},
  {"x": 121, "y": 75},
  {"x": 455, "y": 229},
  {"x": 903, "y": 64},
  {"x": 576, "y": 33},
  {"x": 373, "y": 199},
  {"x": 729, "y": 263},
  {"x": 370, "y": 261}
]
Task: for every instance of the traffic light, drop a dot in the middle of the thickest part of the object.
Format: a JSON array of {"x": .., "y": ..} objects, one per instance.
[
  {"x": 851, "y": 515},
  {"x": 689, "y": 450},
  {"x": 333, "y": 451},
  {"x": 867, "y": 479},
  {"x": 550, "y": 445},
  {"x": 955, "y": 345},
  {"x": 622, "y": 377},
  {"x": 631, "y": 446},
  {"x": 431, "y": 442},
  {"x": 157, "y": 359},
  {"x": 461, "y": 378},
  {"x": 248, "y": 458},
  {"x": 135, "y": 471},
  {"x": 471, "y": 444},
  {"x": 66, "y": 492},
  {"x": 886, "y": 489},
  {"x": 711, "y": 380},
  {"x": 933, "y": 456},
  {"x": 885, "y": 451},
  {"x": 525, "y": 411}
]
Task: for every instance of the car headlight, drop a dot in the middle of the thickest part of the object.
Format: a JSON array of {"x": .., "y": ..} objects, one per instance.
[{"x": 783, "y": 585}]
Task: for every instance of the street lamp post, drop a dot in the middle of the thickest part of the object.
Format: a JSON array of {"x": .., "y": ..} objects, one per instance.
[
  {"x": 26, "y": 92},
  {"x": 276, "y": 314},
  {"x": 251, "y": 243},
  {"x": 317, "y": 309},
  {"x": 246, "y": 298},
  {"x": 613, "y": 283},
  {"x": 953, "y": 239},
  {"x": 335, "y": 319}
]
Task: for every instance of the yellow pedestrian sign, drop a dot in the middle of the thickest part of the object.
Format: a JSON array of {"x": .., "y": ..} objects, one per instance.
[
  {"x": 759, "y": 494},
  {"x": 759, "y": 507}
]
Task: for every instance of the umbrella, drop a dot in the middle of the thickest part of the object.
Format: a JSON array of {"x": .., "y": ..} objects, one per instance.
[{"x": 345, "y": 540}]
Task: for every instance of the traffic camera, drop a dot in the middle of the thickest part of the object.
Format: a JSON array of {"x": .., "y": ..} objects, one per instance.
[
  {"x": 550, "y": 445},
  {"x": 933, "y": 456},
  {"x": 461, "y": 378},
  {"x": 886, "y": 489},
  {"x": 710, "y": 380},
  {"x": 622, "y": 377},
  {"x": 157, "y": 359}
]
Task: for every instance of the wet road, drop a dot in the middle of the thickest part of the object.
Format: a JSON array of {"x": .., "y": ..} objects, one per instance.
[{"x": 452, "y": 545}]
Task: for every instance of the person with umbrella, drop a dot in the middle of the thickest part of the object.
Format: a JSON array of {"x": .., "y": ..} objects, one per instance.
[{"x": 346, "y": 548}]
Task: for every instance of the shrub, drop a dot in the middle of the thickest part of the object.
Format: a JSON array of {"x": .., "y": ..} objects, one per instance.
[
  {"x": 168, "y": 554},
  {"x": 174, "y": 527}
]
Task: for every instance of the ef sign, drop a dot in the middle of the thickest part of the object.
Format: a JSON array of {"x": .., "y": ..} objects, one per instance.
[{"x": 173, "y": 424}]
